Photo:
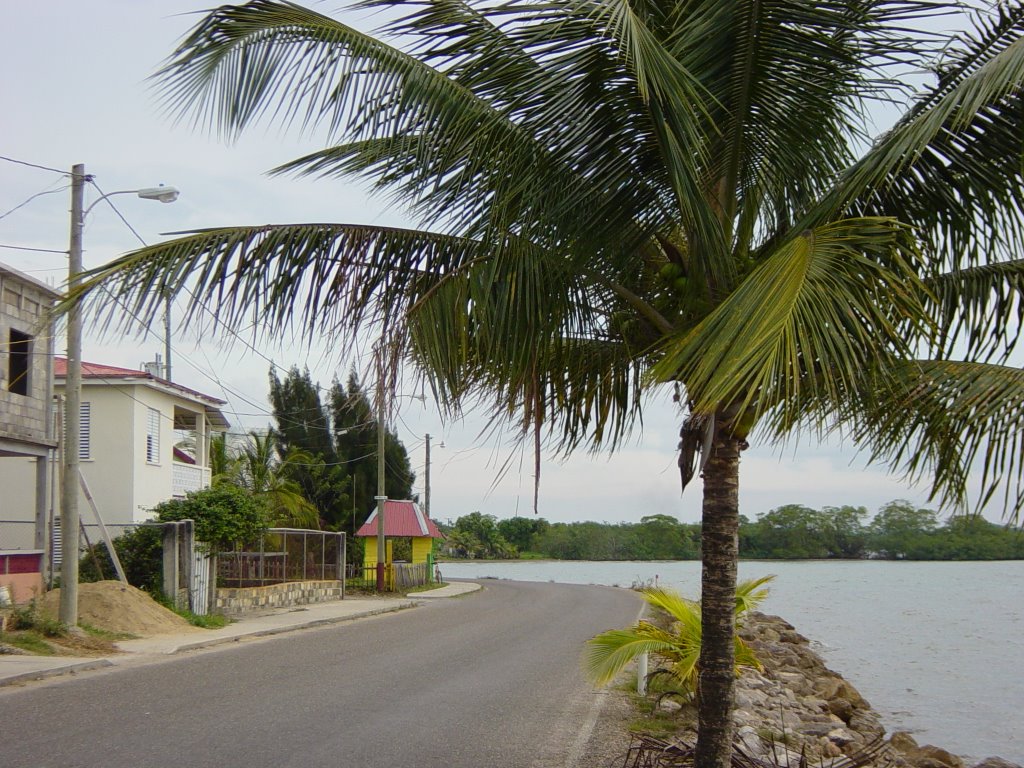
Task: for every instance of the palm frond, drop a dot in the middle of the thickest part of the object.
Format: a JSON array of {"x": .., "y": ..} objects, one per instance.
[
  {"x": 476, "y": 162},
  {"x": 750, "y": 593},
  {"x": 938, "y": 419},
  {"x": 952, "y": 165},
  {"x": 323, "y": 278},
  {"x": 684, "y": 611},
  {"x": 979, "y": 310},
  {"x": 608, "y": 653},
  {"x": 793, "y": 95},
  {"x": 830, "y": 300}
]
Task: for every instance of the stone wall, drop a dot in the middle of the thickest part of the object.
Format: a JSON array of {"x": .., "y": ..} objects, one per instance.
[{"x": 232, "y": 602}]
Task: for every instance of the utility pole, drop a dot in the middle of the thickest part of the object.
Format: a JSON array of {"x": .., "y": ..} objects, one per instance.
[
  {"x": 381, "y": 496},
  {"x": 69, "y": 517},
  {"x": 426, "y": 481},
  {"x": 167, "y": 337}
]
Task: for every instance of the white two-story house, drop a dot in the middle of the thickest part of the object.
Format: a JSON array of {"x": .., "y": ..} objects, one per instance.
[
  {"x": 131, "y": 422},
  {"x": 143, "y": 440}
]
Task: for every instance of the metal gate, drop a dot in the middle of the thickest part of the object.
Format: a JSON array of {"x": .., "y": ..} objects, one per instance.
[
  {"x": 199, "y": 581},
  {"x": 187, "y": 567}
]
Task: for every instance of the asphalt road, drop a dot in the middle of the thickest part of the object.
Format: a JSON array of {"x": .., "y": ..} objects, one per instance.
[{"x": 491, "y": 680}]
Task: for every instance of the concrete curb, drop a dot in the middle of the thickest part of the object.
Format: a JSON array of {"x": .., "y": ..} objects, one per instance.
[
  {"x": 66, "y": 669},
  {"x": 453, "y": 589},
  {"x": 269, "y": 631}
]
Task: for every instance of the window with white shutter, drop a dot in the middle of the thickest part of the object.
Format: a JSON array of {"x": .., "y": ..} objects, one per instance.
[
  {"x": 153, "y": 437},
  {"x": 84, "y": 431}
]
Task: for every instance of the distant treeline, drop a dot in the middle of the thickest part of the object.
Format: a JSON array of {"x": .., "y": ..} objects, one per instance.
[{"x": 898, "y": 531}]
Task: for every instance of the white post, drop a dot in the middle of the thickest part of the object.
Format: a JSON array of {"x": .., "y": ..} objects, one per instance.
[{"x": 641, "y": 674}]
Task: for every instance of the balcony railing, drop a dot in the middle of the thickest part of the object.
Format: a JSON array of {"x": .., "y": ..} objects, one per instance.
[{"x": 188, "y": 477}]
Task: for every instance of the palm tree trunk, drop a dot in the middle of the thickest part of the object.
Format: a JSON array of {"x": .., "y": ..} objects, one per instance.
[{"x": 720, "y": 550}]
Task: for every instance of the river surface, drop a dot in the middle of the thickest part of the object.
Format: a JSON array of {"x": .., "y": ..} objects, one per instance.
[{"x": 936, "y": 648}]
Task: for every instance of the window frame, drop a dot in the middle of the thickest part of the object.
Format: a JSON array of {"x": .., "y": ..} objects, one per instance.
[
  {"x": 153, "y": 416},
  {"x": 19, "y": 362}
]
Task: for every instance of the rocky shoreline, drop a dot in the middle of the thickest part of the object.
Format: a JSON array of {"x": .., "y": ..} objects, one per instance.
[
  {"x": 797, "y": 704},
  {"x": 798, "y": 712}
]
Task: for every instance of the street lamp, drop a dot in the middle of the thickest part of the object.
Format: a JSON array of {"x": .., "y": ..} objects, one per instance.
[{"x": 73, "y": 387}]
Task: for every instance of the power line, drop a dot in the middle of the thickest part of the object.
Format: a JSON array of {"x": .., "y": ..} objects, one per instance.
[
  {"x": 22, "y": 204},
  {"x": 38, "y": 250},
  {"x": 203, "y": 306},
  {"x": 120, "y": 215},
  {"x": 34, "y": 165}
]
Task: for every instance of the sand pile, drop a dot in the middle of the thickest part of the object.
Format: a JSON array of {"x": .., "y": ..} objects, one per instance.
[{"x": 117, "y": 607}]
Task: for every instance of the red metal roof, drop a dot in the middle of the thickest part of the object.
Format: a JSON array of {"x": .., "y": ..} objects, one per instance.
[
  {"x": 401, "y": 519},
  {"x": 99, "y": 371}
]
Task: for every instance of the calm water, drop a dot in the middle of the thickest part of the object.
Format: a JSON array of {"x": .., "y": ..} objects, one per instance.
[{"x": 937, "y": 648}]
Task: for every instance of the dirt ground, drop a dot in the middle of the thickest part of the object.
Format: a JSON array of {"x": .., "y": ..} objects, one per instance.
[
  {"x": 610, "y": 741},
  {"x": 120, "y": 608},
  {"x": 119, "y": 612}
]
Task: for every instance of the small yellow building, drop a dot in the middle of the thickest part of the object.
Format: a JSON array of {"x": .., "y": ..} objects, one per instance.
[{"x": 402, "y": 520}]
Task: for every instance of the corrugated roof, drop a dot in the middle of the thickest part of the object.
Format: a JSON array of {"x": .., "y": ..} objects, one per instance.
[
  {"x": 100, "y": 371},
  {"x": 401, "y": 519}
]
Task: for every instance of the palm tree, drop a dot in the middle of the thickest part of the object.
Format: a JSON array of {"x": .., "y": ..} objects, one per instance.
[
  {"x": 616, "y": 195},
  {"x": 260, "y": 469},
  {"x": 679, "y": 646}
]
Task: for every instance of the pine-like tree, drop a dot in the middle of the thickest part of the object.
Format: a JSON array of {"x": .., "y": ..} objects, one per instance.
[
  {"x": 303, "y": 424},
  {"x": 354, "y": 427}
]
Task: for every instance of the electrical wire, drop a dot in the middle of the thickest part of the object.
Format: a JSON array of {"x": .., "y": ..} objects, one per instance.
[
  {"x": 38, "y": 250},
  {"x": 22, "y": 204},
  {"x": 34, "y": 165},
  {"x": 212, "y": 376},
  {"x": 244, "y": 342}
]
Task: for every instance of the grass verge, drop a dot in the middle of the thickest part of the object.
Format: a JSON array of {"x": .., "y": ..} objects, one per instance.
[{"x": 206, "y": 621}]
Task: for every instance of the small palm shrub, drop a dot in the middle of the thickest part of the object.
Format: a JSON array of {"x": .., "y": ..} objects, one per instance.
[{"x": 677, "y": 648}]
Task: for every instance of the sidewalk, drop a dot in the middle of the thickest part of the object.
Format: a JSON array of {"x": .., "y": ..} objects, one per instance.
[{"x": 16, "y": 669}]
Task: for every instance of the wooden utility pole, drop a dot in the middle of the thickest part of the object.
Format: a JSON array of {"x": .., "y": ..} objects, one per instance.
[
  {"x": 381, "y": 490},
  {"x": 426, "y": 481},
  {"x": 69, "y": 517}
]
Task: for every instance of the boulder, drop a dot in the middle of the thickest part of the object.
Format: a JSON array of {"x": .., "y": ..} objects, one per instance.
[
  {"x": 836, "y": 687},
  {"x": 828, "y": 748},
  {"x": 868, "y": 722},
  {"x": 926, "y": 756},
  {"x": 795, "y": 682},
  {"x": 792, "y": 636},
  {"x": 841, "y": 737},
  {"x": 996, "y": 762},
  {"x": 841, "y": 708},
  {"x": 903, "y": 742},
  {"x": 936, "y": 757},
  {"x": 750, "y": 741}
]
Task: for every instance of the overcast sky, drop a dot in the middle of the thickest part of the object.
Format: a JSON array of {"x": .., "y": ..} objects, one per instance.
[{"x": 74, "y": 90}]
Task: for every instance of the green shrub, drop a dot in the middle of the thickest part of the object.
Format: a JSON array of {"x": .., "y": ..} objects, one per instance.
[
  {"x": 28, "y": 617},
  {"x": 224, "y": 515},
  {"x": 140, "y": 552}
]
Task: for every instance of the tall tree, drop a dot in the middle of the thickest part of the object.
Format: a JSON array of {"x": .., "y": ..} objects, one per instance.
[
  {"x": 620, "y": 193},
  {"x": 302, "y": 421},
  {"x": 354, "y": 427},
  {"x": 303, "y": 428}
]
